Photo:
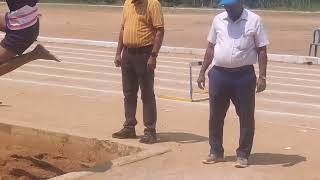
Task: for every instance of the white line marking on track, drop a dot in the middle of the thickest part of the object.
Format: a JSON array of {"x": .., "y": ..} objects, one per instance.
[
  {"x": 97, "y": 80},
  {"x": 288, "y": 114},
  {"x": 295, "y": 126},
  {"x": 100, "y": 65},
  {"x": 104, "y": 55},
  {"x": 60, "y": 85},
  {"x": 69, "y": 69},
  {"x": 295, "y": 79},
  {"x": 296, "y": 68},
  {"x": 295, "y": 85},
  {"x": 185, "y": 63},
  {"x": 157, "y": 87},
  {"x": 291, "y": 93},
  {"x": 100, "y": 72},
  {"x": 295, "y": 73},
  {"x": 80, "y": 49},
  {"x": 117, "y": 92},
  {"x": 160, "y": 65},
  {"x": 185, "y": 68},
  {"x": 78, "y": 53},
  {"x": 110, "y": 60},
  {"x": 178, "y": 74},
  {"x": 291, "y": 103},
  {"x": 68, "y": 77},
  {"x": 170, "y": 57},
  {"x": 185, "y": 74},
  {"x": 163, "y": 72},
  {"x": 276, "y": 113}
]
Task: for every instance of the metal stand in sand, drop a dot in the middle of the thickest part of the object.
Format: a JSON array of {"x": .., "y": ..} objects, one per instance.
[{"x": 192, "y": 91}]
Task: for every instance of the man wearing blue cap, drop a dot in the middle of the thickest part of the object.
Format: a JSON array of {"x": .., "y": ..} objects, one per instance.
[{"x": 237, "y": 40}]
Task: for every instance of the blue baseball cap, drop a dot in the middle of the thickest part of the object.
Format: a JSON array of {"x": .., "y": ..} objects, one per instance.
[{"x": 227, "y": 2}]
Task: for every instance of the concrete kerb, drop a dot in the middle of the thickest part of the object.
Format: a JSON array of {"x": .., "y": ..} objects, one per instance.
[
  {"x": 78, "y": 42},
  {"x": 182, "y": 50},
  {"x": 293, "y": 59},
  {"x": 148, "y": 152}
]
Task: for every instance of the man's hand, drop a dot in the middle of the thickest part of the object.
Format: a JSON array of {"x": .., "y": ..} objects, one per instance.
[
  {"x": 261, "y": 85},
  {"x": 208, "y": 57},
  {"x": 117, "y": 60},
  {"x": 152, "y": 63},
  {"x": 201, "y": 80},
  {"x": 263, "y": 62}
]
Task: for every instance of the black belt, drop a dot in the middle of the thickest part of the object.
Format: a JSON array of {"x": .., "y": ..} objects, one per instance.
[
  {"x": 238, "y": 69},
  {"x": 139, "y": 50}
]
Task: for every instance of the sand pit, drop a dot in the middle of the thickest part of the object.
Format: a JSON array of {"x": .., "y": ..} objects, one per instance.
[{"x": 30, "y": 154}]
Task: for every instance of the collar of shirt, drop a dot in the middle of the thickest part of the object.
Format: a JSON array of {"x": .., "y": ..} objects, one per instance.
[
  {"x": 138, "y": 3},
  {"x": 244, "y": 16}
]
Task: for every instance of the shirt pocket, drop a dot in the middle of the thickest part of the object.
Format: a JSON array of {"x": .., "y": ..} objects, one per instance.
[
  {"x": 142, "y": 18},
  {"x": 247, "y": 40}
]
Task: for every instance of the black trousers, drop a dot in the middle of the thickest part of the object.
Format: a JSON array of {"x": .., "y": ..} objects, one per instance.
[
  {"x": 237, "y": 85},
  {"x": 135, "y": 74}
]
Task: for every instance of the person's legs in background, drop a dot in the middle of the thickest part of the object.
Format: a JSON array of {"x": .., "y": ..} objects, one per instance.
[
  {"x": 146, "y": 81},
  {"x": 130, "y": 87},
  {"x": 219, "y": 105},
  {"x": 243, "y": 97}
]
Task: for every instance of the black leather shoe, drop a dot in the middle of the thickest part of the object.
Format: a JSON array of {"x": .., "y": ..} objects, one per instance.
[
  {"x": 125, "y": 133},
  {"x": 149, "y": 137}
]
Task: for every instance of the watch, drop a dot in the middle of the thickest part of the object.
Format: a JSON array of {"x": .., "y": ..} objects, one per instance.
[
  {"x": 263, "y": 77},
  {"x": 154, "y": 54}
]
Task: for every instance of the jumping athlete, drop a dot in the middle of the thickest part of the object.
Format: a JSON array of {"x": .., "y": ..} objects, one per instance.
[{"x": 21, "y": 26}]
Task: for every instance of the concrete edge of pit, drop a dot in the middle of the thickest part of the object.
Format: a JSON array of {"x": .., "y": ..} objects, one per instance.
[
  {"x": 296, "y": 59},
  {"x": 147, "y": 152}
]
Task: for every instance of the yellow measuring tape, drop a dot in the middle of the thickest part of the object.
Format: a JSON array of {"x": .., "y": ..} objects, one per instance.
[
  {"x": 201, "y": 91},
  {"x": 174, "y": 98}
]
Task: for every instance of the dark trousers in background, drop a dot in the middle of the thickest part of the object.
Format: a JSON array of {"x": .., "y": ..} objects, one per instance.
[
  {"x": 135, "y": 74},
  {"x": 237, "y": 85}
]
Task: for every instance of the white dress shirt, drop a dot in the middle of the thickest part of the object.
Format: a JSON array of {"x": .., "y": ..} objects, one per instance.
[{"x": 236, "y": 42}]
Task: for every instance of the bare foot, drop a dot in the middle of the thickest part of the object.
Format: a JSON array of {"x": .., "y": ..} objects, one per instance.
[{"x": 43, "y": 53}]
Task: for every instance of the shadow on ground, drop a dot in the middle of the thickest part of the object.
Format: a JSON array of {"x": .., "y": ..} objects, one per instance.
[
  {"x": 3, "y": 105},
  {"x": 102, "y": 167},
  {"x": 272, "y": 159},
  {"x": 179, "y": 137}
]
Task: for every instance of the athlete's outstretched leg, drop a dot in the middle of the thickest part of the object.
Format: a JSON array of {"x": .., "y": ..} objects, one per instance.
[{"x": 9, "y": 61}]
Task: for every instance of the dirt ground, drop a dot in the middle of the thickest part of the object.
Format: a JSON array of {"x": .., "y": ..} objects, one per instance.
[
  {"x": 28, "y": 154},
  {"x": 23, "y": 163},
  {"x": 281, "y": 152},
  {"x": 290, "y": 33}
]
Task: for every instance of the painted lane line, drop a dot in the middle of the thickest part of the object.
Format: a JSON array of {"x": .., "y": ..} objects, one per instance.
[
  {"x": 111, "y": 61},
  {"x": 161, "y": 72},
  {"x": 172, "y": 57},
  {"x": 99, "y": 80},
  {"x": 117, "y": 92},
  {"x": 157, "y": 87},
  {"x": 96, "y": 80},
  {"x": 110, "y": 67}
]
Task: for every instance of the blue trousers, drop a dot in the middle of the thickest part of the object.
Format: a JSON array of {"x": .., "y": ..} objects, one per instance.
[{"x": 237, "y": 85}]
